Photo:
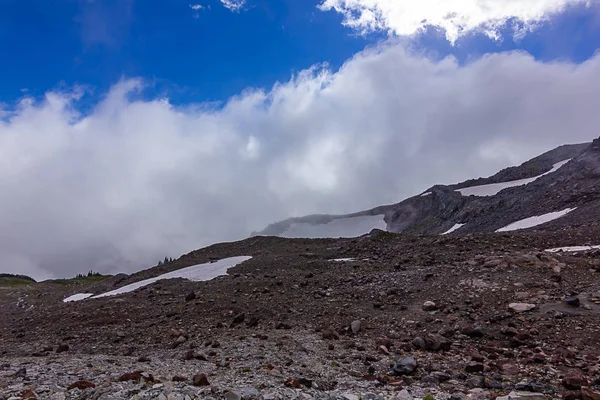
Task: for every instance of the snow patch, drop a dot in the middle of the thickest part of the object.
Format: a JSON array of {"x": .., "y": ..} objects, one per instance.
[
  {"x": 196, "y": 273},
  {"x": 493, "y": 188},
  {"x": 455, "y": 227},
  {"x": 425, "y": 194},
  {"x": 344, "y": 259},
  {"x": 534, "y": 221},
  {"x": 341, "y": 227},
  {"x": 573, "y": 249},
  {"x": 77, "y": 297}
]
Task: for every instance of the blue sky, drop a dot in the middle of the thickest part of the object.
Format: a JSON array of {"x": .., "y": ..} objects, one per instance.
[
  {"x": 132, "y": 130},
  {"x": 212, "y": 53}
]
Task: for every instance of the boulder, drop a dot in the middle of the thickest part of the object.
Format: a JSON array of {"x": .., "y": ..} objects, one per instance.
[
  {"x": 521, "y": 307},
  {"x": 405, "y": 366}
]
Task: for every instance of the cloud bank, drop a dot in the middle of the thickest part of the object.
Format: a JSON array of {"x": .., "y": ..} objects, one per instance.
[
  {"x": 456, "y": 17},
  {"x": 134, "y": 180}
]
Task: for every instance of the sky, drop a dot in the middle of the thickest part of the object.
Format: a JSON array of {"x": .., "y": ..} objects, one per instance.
[{"x": 133, "y": 130}]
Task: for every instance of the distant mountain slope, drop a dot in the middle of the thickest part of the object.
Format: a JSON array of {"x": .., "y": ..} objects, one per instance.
[{"x": 560, "y": 179}]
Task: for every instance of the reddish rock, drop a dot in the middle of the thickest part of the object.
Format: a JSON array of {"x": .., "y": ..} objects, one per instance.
[
  {"x": 28, "y": 395},
  {"x": 81, "y": 385},
  {"x": 574, "y": 380},
  {"x": 435, "y": 342},
  {"x": 292, "y": 383},
  {"x": 137, "y": 376},
  {"x": 589, "y": 394},
  {"x": 131, "y": 376}
]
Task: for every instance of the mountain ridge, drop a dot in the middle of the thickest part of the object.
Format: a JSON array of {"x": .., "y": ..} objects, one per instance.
[{"x": 441, "y": 207}]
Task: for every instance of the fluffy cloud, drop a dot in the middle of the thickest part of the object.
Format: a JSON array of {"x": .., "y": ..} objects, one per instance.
[
  {"x": 233, "y": 5},
  {"x": 407, "y": 17},
  {"x": 134, "y": 180}
]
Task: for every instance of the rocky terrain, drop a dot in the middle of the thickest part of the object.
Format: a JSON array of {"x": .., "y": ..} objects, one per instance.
[
  {"x": 567, "y": 177},
  {"x": 382, "y": 316}
]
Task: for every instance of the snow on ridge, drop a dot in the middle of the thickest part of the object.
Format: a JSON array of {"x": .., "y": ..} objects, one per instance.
[
  {"x": 573, "y": 249},
  {"x": 195, "y": 273},
  {"x": 77, "y": 297},
  {"x": 493, "y": 188},
  {"x": 535, "y": 220},
  {"x": 339, "y": 227},
  {"x": 454, "y": 228},
  {"x": 425, "y": 194}
]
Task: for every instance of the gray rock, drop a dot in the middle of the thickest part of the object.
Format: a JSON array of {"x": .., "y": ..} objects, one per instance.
[
  {"x": 233, "y": 396},
  {"x": 405, "y": 366},
  {"x": 523, "y": 396},
  {"x": 403, "y": 395},
  {"x": 355, "y": 326},
  {"x": 250, "y": 393},
  {"x": 521, "y": 307}
]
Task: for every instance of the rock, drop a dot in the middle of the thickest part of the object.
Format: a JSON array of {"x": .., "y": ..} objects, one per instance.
[
  {"x": 81, "y": 385},
  {"x": 474, "y": 332},
  {"x": 419, "y": 343},
  {"x": 523, "y": 396},
  {"x": 574, "y": 380},
  {"x": 178, "y": 378},
  {"x": 200, "y": 380},
  {"x": 476, "y": 382},
  {"x": 572, "y": 301},
  {"x": 292, "y": 383},
  {"x": 405, "y": 366},
  {"x": 330, "y": 334},
  {"x": 131, "y": 376},
  {"x": 355, "y": 326},
  {"x": 474, "y": 367},
  {"x": 233, "y": 396},
  {"x": 250, "y": 393},
  {"x": 238, "y": 319},
  {"x": 521, "y": 307},
  {"x": 190, "y": 296},
  {"x": 441, "y": 376},
  {"x": 28, "y": 395},
  {"x": 429, "y": 306},
  {"x": 252, "y": 322},
  {"x": 435, "y": 342},
  {"x": 589, "y": 394},
  {"x": 403, "y": 395},
  {"x": 62, "y": 348}
]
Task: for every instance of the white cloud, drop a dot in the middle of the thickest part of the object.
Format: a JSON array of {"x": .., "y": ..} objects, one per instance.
[
  {"x": 233, "y": 5},
  {"x": 134, "y": 180},
  {"x": 457, "y": 17},
  {"x": 196, "y": 7}
]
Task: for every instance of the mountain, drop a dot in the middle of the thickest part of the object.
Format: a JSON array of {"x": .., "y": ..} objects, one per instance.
[
  {"x": 407, "y": 315},
  {"x": 559, "y": 187}
]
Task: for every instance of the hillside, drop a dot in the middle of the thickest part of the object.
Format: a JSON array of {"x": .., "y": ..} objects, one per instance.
[
  {"x": 480, "y": 314},
  {"x": 561, "y": 179}
]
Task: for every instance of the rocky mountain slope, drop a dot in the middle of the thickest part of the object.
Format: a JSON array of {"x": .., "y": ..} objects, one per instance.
[
  {"x": 561, "y": 179},
  {"x": 383, "y": 316}
]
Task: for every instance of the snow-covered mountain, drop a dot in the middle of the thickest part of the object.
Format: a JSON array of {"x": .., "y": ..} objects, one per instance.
[{"x": 559, "y": 187}]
